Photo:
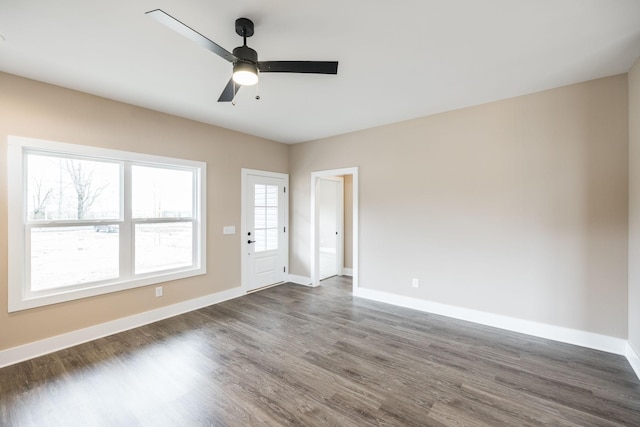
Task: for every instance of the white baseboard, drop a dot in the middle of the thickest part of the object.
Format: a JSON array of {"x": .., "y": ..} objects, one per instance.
[
  {"x": 347, "y": 272},
  {"x": 556, "y": 333},
  {"x": 49, "y": 345},
  {"x": 633, "y": 357},
  {"x": 299, "y": 280}
]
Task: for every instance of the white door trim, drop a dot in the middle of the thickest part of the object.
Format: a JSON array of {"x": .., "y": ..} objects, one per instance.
[
  {"x": 244, "y": 262},
  {"x": 315, "y": 241}
]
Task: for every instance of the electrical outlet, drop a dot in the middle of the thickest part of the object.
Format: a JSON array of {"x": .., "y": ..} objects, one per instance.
[
  {"x": 159, "y": 291},
  {"x": 415, "y": 283}
]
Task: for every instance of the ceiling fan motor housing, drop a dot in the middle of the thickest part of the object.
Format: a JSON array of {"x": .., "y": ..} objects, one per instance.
[
  {"x": 246, "y": 54},
  {"x": 245, "y": 68}
]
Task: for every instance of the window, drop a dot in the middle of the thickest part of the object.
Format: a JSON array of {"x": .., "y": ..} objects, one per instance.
[
  {"x": 266, "y": 217},
  {"x": 85, "y": 221}
]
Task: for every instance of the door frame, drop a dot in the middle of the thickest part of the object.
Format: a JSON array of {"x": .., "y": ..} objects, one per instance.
[
  {"x": 244, "y": 261},
  {"x": 339, "y": 222},
  {"x": 315, "y": 241}
]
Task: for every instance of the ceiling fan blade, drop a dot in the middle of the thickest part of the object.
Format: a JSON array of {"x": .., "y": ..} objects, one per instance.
[
  {"x": 177, "y": 26},
  {"x": 229, "y": 93},
  {"x": 315, "y": 67}
]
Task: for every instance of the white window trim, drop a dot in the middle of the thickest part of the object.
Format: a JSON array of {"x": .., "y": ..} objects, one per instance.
[{"x": 19, "y": 298}]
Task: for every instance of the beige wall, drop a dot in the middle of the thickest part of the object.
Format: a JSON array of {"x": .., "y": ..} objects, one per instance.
[
  {"x": 634, "y": 207},
  {"x": 38, "y": 110},
  {"x": 517, "y": 207}
]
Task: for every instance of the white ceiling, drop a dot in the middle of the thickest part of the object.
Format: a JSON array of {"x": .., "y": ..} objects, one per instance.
[{"x": 398, "y": 60}]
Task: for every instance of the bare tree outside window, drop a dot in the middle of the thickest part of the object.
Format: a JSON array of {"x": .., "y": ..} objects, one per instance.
[
  {"x": 40, "y": 198},
  {"x": 72, "y": 188},
  {"x": 87, "y": 191}
]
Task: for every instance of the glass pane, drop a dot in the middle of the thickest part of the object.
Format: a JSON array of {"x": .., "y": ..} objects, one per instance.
[
  {"x": 260, "y": 218},
  {"x": 260, "y": 244},
  {"x": 62, "y": 189},
  {"x": 66, "y": 256},
  {"x": 272, "y": 195},
  {"x": 272, "y": 239},
  {"x": 260, "y": 194},
  {"x": 272, "y": 218},
  {"x": 161, "y": 192},
  {"x": 163, "y": 246}
]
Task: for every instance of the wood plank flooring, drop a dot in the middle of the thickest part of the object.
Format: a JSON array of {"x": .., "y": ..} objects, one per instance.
[{"x": 291, "y": 355}]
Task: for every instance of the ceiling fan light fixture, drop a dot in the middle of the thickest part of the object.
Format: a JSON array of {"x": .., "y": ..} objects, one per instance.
[{"x": 245, "y": 74}]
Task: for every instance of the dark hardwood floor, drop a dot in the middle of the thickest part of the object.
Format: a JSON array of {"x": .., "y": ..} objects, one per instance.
[{"x": 291, "y": 355}]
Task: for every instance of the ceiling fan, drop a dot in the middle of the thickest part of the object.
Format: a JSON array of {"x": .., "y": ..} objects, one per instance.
[{"x": 244, "y": 59}]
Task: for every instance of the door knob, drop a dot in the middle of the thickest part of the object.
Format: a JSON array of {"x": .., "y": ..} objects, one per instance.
[{"x": 251, "y": 241}]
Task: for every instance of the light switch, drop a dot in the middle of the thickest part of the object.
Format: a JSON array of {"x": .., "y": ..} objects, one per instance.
[{"x": 229, "y": 229}]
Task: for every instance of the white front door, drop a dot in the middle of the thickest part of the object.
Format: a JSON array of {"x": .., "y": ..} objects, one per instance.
[{"x": 264, "y": 238}]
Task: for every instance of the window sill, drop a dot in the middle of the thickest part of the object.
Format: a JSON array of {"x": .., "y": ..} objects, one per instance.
[{"x": 25, "y": 302}]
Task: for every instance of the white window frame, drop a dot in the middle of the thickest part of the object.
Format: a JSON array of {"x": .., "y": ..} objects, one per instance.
[{"x": 20, "y": 295}]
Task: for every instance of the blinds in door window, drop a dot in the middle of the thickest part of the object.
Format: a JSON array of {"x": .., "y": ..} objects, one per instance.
[{"x": 266, "y": 217}]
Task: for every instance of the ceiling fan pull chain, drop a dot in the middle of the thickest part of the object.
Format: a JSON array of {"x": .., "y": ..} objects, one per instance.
[{"x": 258, "y": 91}]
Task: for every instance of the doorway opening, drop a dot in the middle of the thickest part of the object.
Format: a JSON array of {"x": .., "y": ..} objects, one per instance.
[{"x": 329, "y": 190}]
